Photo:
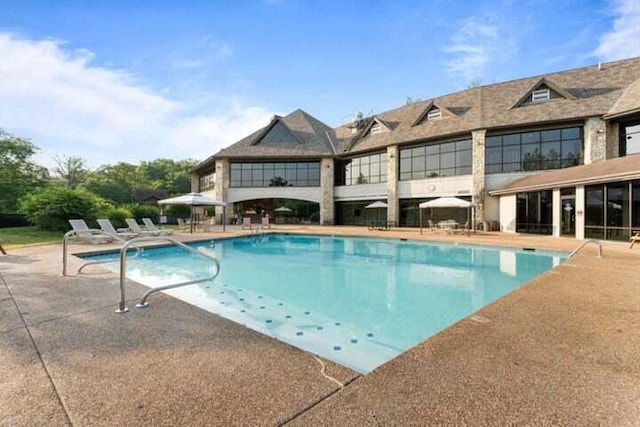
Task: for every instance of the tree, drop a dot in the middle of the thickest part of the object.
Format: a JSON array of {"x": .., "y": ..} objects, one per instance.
[
  {"x": 278, "y": 181},
  {"x": 72, "y": 170},
  {"x": 173, "y": 176},
  {"x": 18, "y": 173},
  {"x": 114, "y": 182}
]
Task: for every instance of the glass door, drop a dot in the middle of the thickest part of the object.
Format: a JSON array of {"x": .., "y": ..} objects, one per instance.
[{"x": 568, "y": 216}]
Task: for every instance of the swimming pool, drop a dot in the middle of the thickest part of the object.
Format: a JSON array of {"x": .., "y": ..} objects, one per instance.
[{"x": 356, "y": 301}]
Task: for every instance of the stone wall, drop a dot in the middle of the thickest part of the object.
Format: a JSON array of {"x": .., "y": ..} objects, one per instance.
[
  {"x": 327, "y": 180},
  {"x": 393, "y": 204},
  {"x": 478, "y": 192},
  {"x": 595, "y": 140}
]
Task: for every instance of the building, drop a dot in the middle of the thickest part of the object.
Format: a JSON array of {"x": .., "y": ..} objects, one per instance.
[{"x": 552, "y": 154}]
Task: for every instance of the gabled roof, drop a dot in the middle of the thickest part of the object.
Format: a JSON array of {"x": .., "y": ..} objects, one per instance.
[
  {"x": 149, "y": 195},
  {"x": 444, "y": 112},
  {"x": 628, "y": 103},
  {"x": 296, "y": 135},
  {"x": 620, "y": 169},
  {"x": 544, "y": 81}
]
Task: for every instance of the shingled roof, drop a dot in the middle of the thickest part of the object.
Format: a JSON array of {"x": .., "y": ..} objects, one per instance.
[
  {"x": 297, "y": 135},
  {"x": 620, "y": 169},
  {"x": 607, "y": 90}
]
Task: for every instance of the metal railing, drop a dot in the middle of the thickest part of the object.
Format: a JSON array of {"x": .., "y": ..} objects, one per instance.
[
  {"x": 88, "y": 234},
  {"x": 123, "y": 269},
  {"x": 585, "y": 243}
]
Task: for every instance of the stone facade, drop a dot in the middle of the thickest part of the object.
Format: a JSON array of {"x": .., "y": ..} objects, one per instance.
[
  {"x": 393, "y": 212},
  {"x": 595, "y": 140},
  {"x": 478, "y": 192},
  {"x": 327, "y": 172}
]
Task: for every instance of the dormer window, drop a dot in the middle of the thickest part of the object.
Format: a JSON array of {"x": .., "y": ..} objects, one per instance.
[
  {"x": 540, "y": 95},
  {"x": 433, "y": 114},
  {"x": 375, "y": 128}
]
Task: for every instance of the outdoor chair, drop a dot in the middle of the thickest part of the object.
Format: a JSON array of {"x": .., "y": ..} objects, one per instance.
[
  {"x": 84, "y": 234},
  {"x": 635, "y": 238},
  {"x": 432, "y": 226},
  {"x": 246, "y": 223},
  {"x": 265, "y": 222},
  {"x": 152, "y": 227},
  {"x": 135, "y": 227},
  {"x": 108, "y": 228}
]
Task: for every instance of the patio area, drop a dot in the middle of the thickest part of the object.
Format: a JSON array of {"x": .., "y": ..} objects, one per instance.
[{"x": 562, "y": 349}]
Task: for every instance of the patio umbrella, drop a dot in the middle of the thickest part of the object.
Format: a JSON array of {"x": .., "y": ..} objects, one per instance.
[
  {"x": 445, "y": 202},
  {"x": 195, "y": 199},
  {"x": 377, "y": 205},
  {"x": 282, "y": 209}
]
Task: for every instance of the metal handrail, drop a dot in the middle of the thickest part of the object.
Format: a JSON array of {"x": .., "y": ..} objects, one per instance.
[
  {"x": 586, "y": 242},
  {"x": 93, "y": 231},
  {"x": 123, "y": 267}
]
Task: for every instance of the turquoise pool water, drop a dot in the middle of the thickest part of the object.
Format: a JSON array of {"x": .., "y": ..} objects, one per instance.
[{"x": 356, "y": 301}]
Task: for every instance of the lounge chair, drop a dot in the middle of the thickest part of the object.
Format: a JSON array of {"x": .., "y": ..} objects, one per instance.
[
  {"x": 246, "y": 223},
  {"x": 183, "y": 225},
  {"x": 152, "y": 227},
  {"x": 432, "y": 226},
  {"x": 265, "y": 222},
  {"x": 108, "y": 228},
  {"x": 85, "y": 234},
  {"x": 135, "y": 227},
  {"x": 634, "y": 238}
]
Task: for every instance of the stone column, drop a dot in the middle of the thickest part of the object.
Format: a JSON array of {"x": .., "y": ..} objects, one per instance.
[
  {"x": 393, "y": 203},
  {"x": 557, "y": 213},
  {"x": 613, "y": 140},
  {"x": 195, "y": 182},
  {"x": 595, "y": 140},
  {"x": 478, "y": 191},
  {"x": 327, "y": 182},
  {"x": 221, "y": 188}
]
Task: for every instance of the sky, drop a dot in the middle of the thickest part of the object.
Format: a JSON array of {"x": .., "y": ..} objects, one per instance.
[{"x": 130, "y": 81}]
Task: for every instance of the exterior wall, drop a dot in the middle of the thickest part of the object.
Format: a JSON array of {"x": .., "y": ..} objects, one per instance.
[
  {"x": 478, "y": 191},
  {"x": 195, "y": 182},
  {"x": 580, "y": 212},
  {"x": 491, "y": 208},
  {"x": 326, "y": 196},
  {"x": 360, "y": 192},
  {"x": 435, "y": 187},
  {"x": 311, "y": 194},
  {"x": 500, "y": 180},
  {"x": 595, "y": 140},
  {"x": 557, "y": 212},
  {"x": 613, "y": 140},
  {"x": 393, "y": 204},
  {"x": 508, "y": 213}
]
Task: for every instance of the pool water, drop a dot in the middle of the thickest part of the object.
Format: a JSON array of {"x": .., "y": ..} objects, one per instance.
[{"x": 356, "y": 301}]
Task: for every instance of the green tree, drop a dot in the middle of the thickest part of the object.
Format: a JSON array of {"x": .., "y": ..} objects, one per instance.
[
  {"x": 167, "y": 174},
  {"x": 51, "y": 207},
  {"x": 115, "y": 182},
  {"x": 72, "y": 170},
  {"x": 18, "y": 173}
]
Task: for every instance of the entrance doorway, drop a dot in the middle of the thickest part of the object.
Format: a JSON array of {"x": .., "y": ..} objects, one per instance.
[{"x": 568, "y": 215}]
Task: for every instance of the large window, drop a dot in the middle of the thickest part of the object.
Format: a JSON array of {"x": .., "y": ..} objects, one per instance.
[
  {"x": 612, "y": 210},
  {"x": 531, "y": 151},
  {"x": 629, "y": 138},
  {"x": 534, "y": 212},
  {"x": 434, "y": 160},
  {"x": 370, "y": 169},
  {"x": 283, "y": 174},
  {"x": 207, "y": 180}
]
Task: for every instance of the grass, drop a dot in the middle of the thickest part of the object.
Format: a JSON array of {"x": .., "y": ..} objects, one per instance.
[{"x": 15, "y": 237}]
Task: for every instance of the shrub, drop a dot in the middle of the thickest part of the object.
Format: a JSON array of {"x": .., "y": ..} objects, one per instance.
[
  {"x": 143, "y": 211},
  {"x": 117, "y": 216},
  {"x": 50, "y": 208}
]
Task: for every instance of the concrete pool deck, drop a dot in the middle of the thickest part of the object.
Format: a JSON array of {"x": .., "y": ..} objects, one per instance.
[{"x": 564, "y": 349}]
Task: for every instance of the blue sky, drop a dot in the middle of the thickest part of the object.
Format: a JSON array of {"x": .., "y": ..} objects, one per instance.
[{"x": 130, "y": 81}]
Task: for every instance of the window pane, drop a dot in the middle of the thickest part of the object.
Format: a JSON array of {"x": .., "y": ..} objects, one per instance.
[
  {"x": 433, "y": 163},
  {"x": 529, "y": 137},
  {"x": 447, "y": 160},
  {"x": 635, "y": 206},
  {"x": 405, "y": 165},
  {"x": 618, "y": 204},
  {"x": 463, "y": 145},
  {"x": 447, "y": 172},
  {"x": 594, "y": 205},
  {"x": 418, "y": 151},
  {"x": 417, "y": 175},
  {"x": 464, "y": 170},
  {"x": 571, "y": 133},
  {"x": 493, "y": 155},
  {"x": 405, "y": 153},
  {"x": 448, "y": 147},
  {"x": 493, "y": 141},
  {"x": 418, "y": 164},
  {"x": 433, "y": 149},
  {"x": 550, "y": 135},
  {"x": 511, "y": 154},
  {"x": 511, "y": 139},
  {"x": 463, "y": 158}
]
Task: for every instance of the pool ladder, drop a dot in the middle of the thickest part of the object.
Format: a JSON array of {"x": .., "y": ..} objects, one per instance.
[
  {"x": 127, "y": 245},
  {"x": 585, "y": 243}
]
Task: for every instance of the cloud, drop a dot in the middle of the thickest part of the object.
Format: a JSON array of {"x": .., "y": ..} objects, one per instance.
[
  {"x": 68, "y": 106},
  {"x": 623, "y": 41},
  {"x": 476, "y": 44}
]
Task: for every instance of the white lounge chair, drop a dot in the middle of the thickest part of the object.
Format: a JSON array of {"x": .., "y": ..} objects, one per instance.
[
  {"x": 108, "y": 228},
  {"x": 246, "y": 222},
  {"x": 135, "y": 227},
  {"x": 265, "y": 222},
  {"x": 634, "y": 238},
  {"x": 87, "y": 235},
  {"x": 152, "y": 227}
]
